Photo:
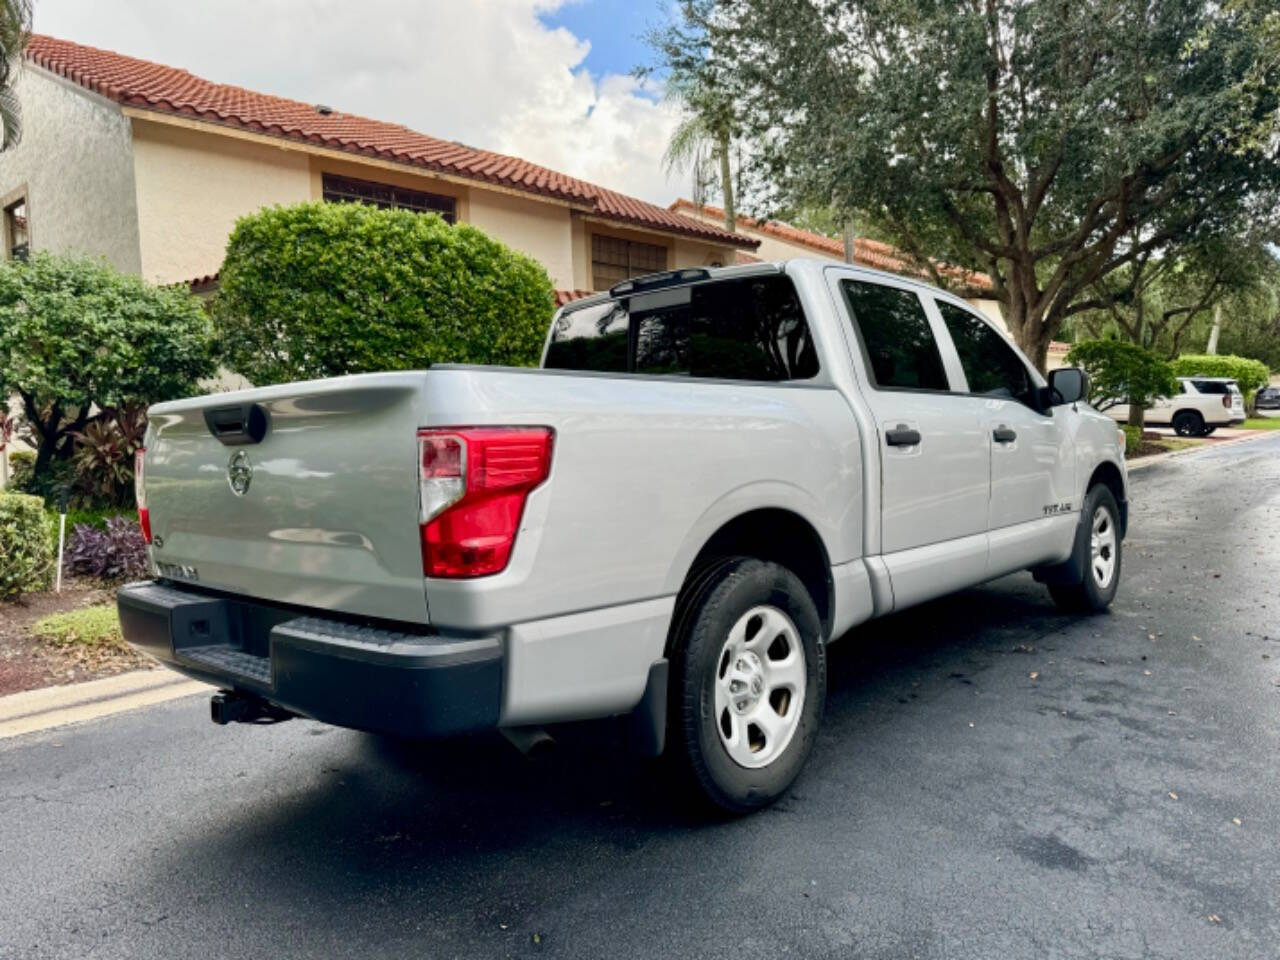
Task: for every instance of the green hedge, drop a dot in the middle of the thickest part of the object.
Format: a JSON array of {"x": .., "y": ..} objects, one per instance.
[
  {"x": 1250, "y": 374},
  {"x": 325, "y": 289},
  {"x": 26, "y": 554}
]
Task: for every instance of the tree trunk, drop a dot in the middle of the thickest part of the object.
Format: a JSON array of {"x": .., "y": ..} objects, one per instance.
[
  {"x": 726, "y": 182},
  {"x": 1216, "y": 331},
  {"x": 1137, "y": 415},
  {"x": 847, "y": 235}
]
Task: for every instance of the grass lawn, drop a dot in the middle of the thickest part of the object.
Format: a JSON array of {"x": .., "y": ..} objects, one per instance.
[
  {"x": 1261, "y": 423},
  {"x": 97, "y": 626}
]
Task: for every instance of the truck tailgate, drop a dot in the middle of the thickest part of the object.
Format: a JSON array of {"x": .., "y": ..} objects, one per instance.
[{"x": 323, "y": 512}]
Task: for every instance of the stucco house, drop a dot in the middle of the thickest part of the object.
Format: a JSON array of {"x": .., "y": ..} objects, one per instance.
[{"x": 150, "y": 166}]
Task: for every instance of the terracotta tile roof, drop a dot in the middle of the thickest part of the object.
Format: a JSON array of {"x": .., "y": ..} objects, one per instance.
[
  {"x": 151, "y": 86},
  {"x": 568, "y": 296},
  {"x": 872, "y": 253}
]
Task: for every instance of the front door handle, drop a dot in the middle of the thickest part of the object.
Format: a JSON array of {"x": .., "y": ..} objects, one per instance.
[
  {"x": 1003, "y": 434},
  {"x": 903, "y": 436}
]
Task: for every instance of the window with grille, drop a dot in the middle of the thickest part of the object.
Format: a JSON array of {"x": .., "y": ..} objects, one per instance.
[
  {"x": 15, "y": 223},
  {"x": 383, "y": 195},
  {"x": 614, "y": 260}
]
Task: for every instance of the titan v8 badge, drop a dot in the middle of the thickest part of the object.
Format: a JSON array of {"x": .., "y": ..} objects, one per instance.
[
  {"x": 239, "y": 473},
  {"x": 1055, "y": 508}
]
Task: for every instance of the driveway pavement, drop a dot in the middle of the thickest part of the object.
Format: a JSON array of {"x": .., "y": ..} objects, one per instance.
[{"x": 993, "y": 780}]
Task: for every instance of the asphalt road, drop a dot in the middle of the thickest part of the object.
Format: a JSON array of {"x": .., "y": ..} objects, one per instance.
[{"x": 955, "y": 806}]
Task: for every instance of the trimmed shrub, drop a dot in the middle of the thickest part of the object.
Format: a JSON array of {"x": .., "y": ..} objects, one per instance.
[
  {"x": 22, "y": 464},
  {"x": 26, "y": 554},
  {"x": 1251, "y": 375},
  {"x": 115, "y": 553},
  {"x": 325, "y": 289}
]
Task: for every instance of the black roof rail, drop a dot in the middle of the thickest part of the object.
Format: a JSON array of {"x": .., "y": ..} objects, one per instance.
[{"x": 655, "y": 281}]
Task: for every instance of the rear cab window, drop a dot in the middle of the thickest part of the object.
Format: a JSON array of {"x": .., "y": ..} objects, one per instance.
[{"x": 748, "y": 328}]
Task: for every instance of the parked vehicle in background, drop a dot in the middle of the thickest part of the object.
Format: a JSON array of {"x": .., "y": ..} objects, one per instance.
[
  {"x": 1203, "y": 405},
  {"x": 1268, "y": 398},
  {"x": 716, "y": 472}
]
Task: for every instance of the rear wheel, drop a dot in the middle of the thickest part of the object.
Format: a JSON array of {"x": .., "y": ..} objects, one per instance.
[
  {"x": 1188, "y": 423},
  {"x": 1100, "y": 541},
  {"x": 1207, "y": 431},
  {"x": 748, "y": 685}
]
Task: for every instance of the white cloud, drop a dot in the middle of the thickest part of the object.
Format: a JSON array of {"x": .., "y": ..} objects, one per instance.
[{"x": 486, "y": 72}]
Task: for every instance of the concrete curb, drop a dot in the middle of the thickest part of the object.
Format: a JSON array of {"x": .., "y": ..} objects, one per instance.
[
  {"x": 50, "y": 707},
  {"x": 1142, "y": 462}
]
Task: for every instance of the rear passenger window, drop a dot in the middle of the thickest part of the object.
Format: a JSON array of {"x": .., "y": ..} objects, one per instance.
[
  {"x": 1211, "y": 386},
  {"x": 895, "y": 335},
  {"x": 748, "y": 329},
  {"x": 990, "y": 365}
]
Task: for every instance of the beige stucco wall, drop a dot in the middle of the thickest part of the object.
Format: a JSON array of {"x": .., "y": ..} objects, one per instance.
[
  {"x": 541, "y": 230},
  {"x": 191, "y": 188},
  {"x": 76, "y": 165}
]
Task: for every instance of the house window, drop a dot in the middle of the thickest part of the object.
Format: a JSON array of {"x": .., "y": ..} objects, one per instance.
[
  {"x": 383, "y": 195},
  {"x": 614, "y": 260},
  {"x": 15, "y": 227}
]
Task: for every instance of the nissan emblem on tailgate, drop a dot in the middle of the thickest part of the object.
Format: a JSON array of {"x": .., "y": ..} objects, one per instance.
[{"x": 239, "y": 473}]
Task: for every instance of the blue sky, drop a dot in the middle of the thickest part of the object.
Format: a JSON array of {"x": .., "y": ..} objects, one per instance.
[{"x": 614, "y": 28}]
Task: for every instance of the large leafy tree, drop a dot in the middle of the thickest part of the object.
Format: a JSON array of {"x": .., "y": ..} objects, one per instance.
[
  {"x": 15, "y": 27},
  {"x": 79, "y": 339},
  {"x": 1049, "y": 144}
]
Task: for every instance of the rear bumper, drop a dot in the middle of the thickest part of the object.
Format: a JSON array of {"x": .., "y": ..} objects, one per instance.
[{"x": 365, "y": 677}]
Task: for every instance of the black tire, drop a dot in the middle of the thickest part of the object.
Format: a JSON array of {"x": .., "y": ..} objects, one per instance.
[
  {"x": 1091, "y": 596},
  {"x": 1207, "y": 431},
  {"x": 726, "y": 593},
  {"x": 1188, "y": 423}
]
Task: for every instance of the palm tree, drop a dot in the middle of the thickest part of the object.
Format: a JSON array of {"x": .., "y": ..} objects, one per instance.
[
  {"x": 704, "y": 136},
  {"x": 15, "y": 28}
]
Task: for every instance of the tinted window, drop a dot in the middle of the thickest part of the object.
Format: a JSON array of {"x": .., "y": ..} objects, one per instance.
[
  {"x": 591, "y": 338},
  {"x": 749, "y": 329},
  {"x": 990, "y": 365},
  {"x": 895, "y": 334},
  {"x": 1211, "y": 386}
]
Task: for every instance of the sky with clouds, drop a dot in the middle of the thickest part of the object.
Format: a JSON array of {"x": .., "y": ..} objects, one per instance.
[{"x": 546, "y": 80}]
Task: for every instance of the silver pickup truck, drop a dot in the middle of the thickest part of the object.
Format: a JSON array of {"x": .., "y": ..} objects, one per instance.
[{"x": 713, "y": 474}]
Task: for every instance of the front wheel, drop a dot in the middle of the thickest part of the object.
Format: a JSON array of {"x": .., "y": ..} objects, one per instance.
[
  {"x": 748, "y": 685},
  {"x": 1100, "y": 542}
]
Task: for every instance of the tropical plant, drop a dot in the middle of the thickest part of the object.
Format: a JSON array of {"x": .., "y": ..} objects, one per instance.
[
  {"x": 115, "y": 553},
  {"x": 1048, "y": 144},
  {"x": 1123, "y": 372},
  {"x": 104, "y": 454},
  {"x": 704, "y": 139},
  {"x": 79, "y": 339},
  {"x": 325, "y": 289},
  {"x": 15, "y": 28}
]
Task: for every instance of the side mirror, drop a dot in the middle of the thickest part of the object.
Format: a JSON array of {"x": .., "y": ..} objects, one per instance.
[{"x": 1067, "y": 385}]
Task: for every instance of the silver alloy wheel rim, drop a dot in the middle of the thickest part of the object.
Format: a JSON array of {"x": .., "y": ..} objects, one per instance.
[
  {"x": 759, "y": 687},
  {"x": 1102, "y": 547}
]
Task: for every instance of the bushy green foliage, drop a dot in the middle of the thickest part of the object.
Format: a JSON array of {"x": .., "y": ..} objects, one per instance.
[
  {"x": 26, "y": 554},
  {"x": 1132, "y": 439},
  {"x": 324, "y": 289},
  {"x": 21, "y": 466},
  {"x": 1249, "y": 374},
  {"x": 1122, "y": 372},
  {"x": 79, "y": 338},
  {"x": 97, "y": 626},
  {"x": 84, "y": 517}
]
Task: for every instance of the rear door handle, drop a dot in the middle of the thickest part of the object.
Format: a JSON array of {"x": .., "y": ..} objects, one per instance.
[
  {"x": 1003, "y": 434},
  {"x": 903, "y": 436}
]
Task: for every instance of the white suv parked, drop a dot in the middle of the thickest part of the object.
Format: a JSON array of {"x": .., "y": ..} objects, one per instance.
[{"x": 1204, "y": 405}]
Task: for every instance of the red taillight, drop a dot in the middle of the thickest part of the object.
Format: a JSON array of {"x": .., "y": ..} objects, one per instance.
[
  {"x": 472, "y": 487},
  {"x": 1226, "y": 400},
  {"x": 140, "y": 494}
]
